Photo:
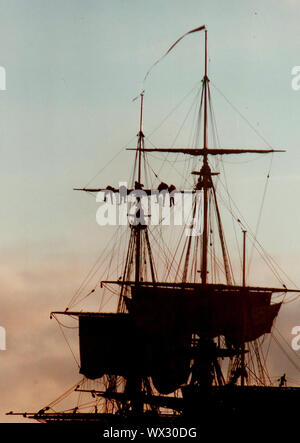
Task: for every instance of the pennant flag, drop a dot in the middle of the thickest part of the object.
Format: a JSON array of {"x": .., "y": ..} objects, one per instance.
[{"x": 171, "y": 47}]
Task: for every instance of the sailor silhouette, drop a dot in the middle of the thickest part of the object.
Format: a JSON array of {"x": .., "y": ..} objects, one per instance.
[
  {"x": 122, "y": 193},
  {"x": 109, "y": 191},
  {"x": 162, "y": 190}
]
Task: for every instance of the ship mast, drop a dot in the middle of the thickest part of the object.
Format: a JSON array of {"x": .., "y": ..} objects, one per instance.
[
  {"x": 206, "y": 175},
  {"x": 205, "y": 184},
  {"x": 140, "y": 146}
]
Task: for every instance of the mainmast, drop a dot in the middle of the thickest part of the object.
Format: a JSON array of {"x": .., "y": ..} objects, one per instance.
[
  {"x": 205, "y": 172},
  {"x": 205, "y": 81},
  {"x": 204, "y": 183}
]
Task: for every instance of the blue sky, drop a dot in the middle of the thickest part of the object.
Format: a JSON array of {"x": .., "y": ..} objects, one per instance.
[{"x": 73, "y": 68}]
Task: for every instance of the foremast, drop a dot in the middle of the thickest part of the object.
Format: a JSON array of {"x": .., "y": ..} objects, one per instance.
[{"x": 134, "y": 384}]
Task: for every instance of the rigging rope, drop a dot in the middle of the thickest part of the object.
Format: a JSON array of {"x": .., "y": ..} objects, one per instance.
[
  {"x": 241, "y": 115},
  {"x": 260, "y": 212},
  {"x": 69, "y": 346}
]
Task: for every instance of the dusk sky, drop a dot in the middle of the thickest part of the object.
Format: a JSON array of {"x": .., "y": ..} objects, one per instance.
[{"x": 72, "y": 70}]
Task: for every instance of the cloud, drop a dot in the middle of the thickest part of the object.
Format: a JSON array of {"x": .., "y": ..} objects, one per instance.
[{"x": 37, "y": 365}]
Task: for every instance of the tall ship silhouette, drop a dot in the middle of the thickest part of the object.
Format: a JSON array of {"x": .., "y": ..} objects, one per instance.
[{"x": 183, "y": 337}]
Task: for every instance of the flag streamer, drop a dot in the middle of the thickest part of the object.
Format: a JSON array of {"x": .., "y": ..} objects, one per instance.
[{"x": 172, "y": 46}]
